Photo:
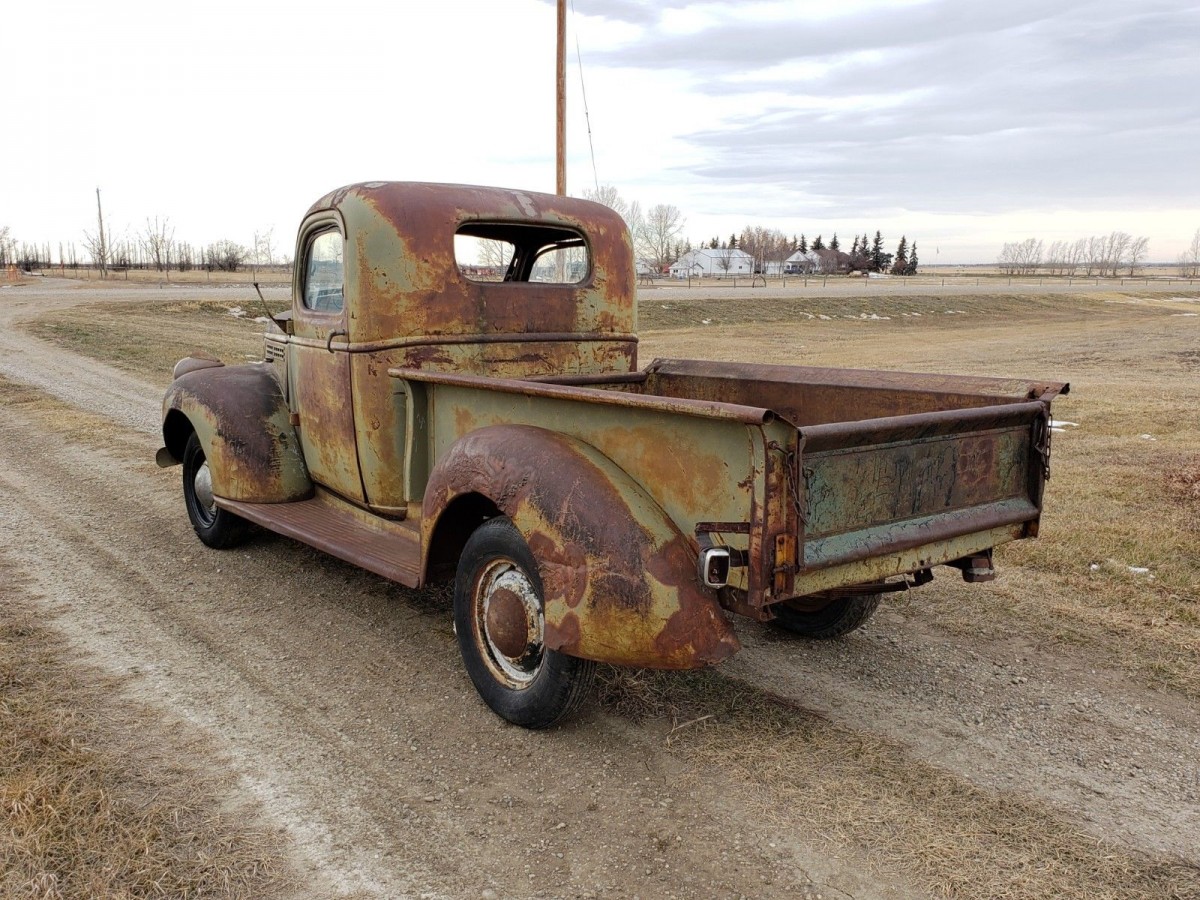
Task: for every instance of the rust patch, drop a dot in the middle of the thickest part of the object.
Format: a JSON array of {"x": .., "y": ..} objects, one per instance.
[
  {"x": 566, "y": 632},
  {"x": 508, "y": 623},
  {"x": 563, "y": 567},
  {"x": 618, "y": 578}
]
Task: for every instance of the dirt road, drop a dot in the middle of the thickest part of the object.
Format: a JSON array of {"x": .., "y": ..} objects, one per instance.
[{"x": 339, "y": 702}]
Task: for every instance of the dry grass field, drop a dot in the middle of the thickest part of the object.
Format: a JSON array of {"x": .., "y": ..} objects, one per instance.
[{"x": 1025, "y": 738}]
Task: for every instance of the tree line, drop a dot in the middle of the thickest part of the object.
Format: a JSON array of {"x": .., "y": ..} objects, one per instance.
[
  {"x": 152, "y": 247},
  {"x": 658, "y": 240},
  {"x": 1102, "y": 254}
]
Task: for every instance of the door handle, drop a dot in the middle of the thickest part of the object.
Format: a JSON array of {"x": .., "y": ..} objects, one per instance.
[{"x": 332, "y": 335}]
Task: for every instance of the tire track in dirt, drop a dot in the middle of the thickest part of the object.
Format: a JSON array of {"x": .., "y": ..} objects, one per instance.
[{"x": 339, "y": 700}]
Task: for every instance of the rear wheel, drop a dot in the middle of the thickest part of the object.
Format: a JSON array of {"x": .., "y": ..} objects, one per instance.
[
  {"x": 216, "y": 527},
  {"x": 500, "y": 623},
  {"x": 839, "y": 616}
]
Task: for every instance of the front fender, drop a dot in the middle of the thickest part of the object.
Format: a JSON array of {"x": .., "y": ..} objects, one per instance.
[
  {"x": 619, "y": 578},
  {"x": 243, "y": 424}
]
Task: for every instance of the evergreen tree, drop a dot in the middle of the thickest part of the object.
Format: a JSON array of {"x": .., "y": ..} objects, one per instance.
[
  {"x": 900, "y": 266},
  {"x": 795, "y": 244},
  {"x": 716, "y": 242},
  {"x": 854, "y": 248},
  {"x": 733, "y": 242},
  {"x": 833, "y": 242},
  {"x": 912, "y": 260},
  {"x": 817, "y": 243},
  {"x": 802, "y": 245},
  {"x": 877, "y": 253},
  {"x": 864, "y": 244}
]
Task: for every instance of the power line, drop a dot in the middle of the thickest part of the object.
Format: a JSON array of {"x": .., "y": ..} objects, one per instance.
[{"x": 586, "y": 115}]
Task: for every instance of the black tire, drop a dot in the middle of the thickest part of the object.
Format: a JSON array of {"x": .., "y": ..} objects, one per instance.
[
  {"x": 533, "y": 687},
  {"x": 216, "y": 527},
  {"x": 840, "y": 616}
]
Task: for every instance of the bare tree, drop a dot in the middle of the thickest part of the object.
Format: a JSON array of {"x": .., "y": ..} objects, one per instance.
[
  {"x": 1139, "y": 249},
  {"x": 1116, "y": 246},
  {"x": 630, "y": 211},
  {"x": 159, "y": 242},
  {"x": 1021, "y": 258},
  {"x": 724, "y": 258},
  {"x": 662, "y": 227},
  {"x": 1075, "y": 257},
  {"x": 227, "y": 256},
  {"x": 1189, "y": 260},
  {"x": 264, "y": 247},
  {"x": 8, "y": 247},
  {"x": 495, "y": 254}
]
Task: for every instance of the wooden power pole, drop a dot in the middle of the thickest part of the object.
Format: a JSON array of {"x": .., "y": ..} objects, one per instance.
[
  {"x": 561, "y": 101},
  {"x": 100, "y": 238}
]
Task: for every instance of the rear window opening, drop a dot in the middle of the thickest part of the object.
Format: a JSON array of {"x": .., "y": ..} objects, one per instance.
[{"x": 538, "y": 254}]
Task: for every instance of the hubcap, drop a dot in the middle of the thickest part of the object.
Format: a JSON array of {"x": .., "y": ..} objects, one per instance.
[
  {"x": 509, "y": 623},
  {"x": 202, "y": 486}
]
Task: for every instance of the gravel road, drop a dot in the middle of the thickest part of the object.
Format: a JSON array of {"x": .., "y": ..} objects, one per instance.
[{"x": 339, "y": 701}]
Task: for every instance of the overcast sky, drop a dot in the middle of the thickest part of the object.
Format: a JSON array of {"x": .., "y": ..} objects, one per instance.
[{"x": 961, "y": 123}]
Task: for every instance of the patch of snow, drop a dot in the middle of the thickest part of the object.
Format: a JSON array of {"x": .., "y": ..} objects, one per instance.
[
  {"x": 1149, "y": 437},
  {"x": 1183, "y": 315},
  {"x": 262, "y": 320},
  {"x": 706, "y": 321},
  {"x": 1095, "y": 567},
  {"x": 237, "y": 312},
  {"x": 1138, "y": 570},
  {"x": 823, "y": 316}
]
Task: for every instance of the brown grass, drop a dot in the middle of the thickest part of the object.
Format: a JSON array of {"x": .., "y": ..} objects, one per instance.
[
  {"x": 949, "y": 837},
  {"x": 147, "y": 339},
  {"x": 1182, "y": 481},
  {"x": 97, "y": 798}
]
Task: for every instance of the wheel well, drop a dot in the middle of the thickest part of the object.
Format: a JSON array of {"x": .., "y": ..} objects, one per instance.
[
  {"x": 177, "y": 428},
  {"x": 456, "y": 523}
]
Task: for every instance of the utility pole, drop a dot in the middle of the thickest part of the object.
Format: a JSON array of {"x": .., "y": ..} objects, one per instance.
[
  {"x": 561, "y": 101},
  {"x": 100, "y": 238}
]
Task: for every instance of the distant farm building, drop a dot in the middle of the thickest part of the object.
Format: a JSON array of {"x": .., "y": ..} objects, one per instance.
[{"x": 712, "y": 263}]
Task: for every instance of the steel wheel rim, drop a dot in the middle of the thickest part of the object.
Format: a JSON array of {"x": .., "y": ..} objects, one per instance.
[{"x": 516, "y": 671}]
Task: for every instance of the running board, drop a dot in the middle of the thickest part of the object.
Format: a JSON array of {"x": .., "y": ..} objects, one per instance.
[{"x": 388, "y": 548}]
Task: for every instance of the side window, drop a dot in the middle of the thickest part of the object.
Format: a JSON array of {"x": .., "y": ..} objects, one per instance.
[{"x": 323, "y": 272}]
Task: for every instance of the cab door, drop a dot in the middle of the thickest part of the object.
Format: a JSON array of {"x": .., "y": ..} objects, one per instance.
[{"x": 320, "y": 359}]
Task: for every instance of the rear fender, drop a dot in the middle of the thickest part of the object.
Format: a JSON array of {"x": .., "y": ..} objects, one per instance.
[
  {"x": 619, "y": 578},
  {"x": 244, "y": 425}
]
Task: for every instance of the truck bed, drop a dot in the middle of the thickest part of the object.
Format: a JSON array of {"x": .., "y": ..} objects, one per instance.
[
  {"x": 857, "y": 475},
  {"x": 899, "y": 470}
]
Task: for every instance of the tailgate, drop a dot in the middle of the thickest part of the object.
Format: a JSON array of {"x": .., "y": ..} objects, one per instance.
[{"x": 881, "y": 487}]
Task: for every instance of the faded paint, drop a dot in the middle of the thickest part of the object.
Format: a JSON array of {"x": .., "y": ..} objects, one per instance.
[
  {"x": 428, "y": 386},
  {"x": 242, "y": 422},
  {"x": 617, "y": 574}
]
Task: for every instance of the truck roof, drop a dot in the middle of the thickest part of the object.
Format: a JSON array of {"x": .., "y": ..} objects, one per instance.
[{"x": 404, "y": 279}]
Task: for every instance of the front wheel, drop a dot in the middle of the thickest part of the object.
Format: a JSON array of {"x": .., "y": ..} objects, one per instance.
[
  {"x": 216, "y": 527},
  {"x": 500, "y": 623},
  {"x": 838, "y": 617}
]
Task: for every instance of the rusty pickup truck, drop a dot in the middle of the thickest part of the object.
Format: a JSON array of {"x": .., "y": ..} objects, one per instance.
[{"x": 455, "y": 394}]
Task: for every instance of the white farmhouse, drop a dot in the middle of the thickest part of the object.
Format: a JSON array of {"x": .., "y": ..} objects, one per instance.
[{"x": 713, "y": 262}]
